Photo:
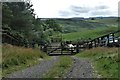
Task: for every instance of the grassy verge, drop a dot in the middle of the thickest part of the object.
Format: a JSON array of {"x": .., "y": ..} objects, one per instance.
[
  {"x": 105, "y": 61},
  {"x": 16, "y": 58},
  {"x": 60, "y": 68}
]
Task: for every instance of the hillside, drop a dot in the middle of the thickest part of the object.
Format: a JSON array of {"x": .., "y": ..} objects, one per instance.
[
  {"x": 77, "y": 28},
  {"x": 72, "y": 25},
  {"x": 86, "y": 34},
  {"x": 110, "y": 21},
  {"x": 80, "y": 24}
]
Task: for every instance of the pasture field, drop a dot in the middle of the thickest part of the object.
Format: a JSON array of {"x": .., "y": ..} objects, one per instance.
[
  {"x": 77, "y": 25},
  {"x": 105, "y": 61},
  {"x": 69, "y": 26},
  {"x": 110, "y": 21},
  {"x": 16, "y": 58},
  {"x": 85, "y": 35}
]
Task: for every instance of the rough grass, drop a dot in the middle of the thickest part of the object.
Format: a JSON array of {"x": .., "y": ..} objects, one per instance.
[
  {"x": 74, "y": 36},
  {"x": 15, "y": 58},
  {"x": 60, "y": 68},
  {"x": 105, "y": 61}
]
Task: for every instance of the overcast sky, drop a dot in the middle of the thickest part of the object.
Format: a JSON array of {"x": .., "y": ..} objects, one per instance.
[{"x": 75, "y": 8}]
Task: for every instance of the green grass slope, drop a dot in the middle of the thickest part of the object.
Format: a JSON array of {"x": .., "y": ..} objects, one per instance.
[
  {"x": 74, "y": 36},
  {"x": 70, "y": 25},
  {"x": 74, "y": 25},
  {"x": 110, "y": 21}
]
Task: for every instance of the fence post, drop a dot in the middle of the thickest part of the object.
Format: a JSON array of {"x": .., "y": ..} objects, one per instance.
[
  {"x": 95, "y": 43},
  {"x": 86, "y": 45},
  {"x": 45, "y": 48},
  {"x": 90, "y": 45},
  {"x": 108, "y": 39},
  {"x": 98, "y": 41},
  {"x": 77, "y": 48},
  {"x": 101, "y": 41},
  {"x": 113, "y": 37}
]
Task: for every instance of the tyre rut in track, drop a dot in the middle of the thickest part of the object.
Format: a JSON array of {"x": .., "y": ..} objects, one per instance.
[
  {"x": 82, "y": 68},
  {"x": 36, "y": 71}
]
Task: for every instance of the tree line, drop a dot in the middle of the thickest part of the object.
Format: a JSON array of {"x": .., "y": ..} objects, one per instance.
[{"x": 21, "y": 27}]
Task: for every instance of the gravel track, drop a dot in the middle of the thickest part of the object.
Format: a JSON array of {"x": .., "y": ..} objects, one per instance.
[
  {"x": 82, "y": 68},
  {"x": 36, "y": 71}
]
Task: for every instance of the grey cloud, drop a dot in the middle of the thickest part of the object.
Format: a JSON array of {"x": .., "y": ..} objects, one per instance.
[
  {"x": 100, "y": 10},
  {"x": 64, "y": 13},
  {"x": 105, "y": 12},
  {"x": 78, "y": 9},
  {"x": 74, "y": 10},
  {"x": 101, "y": 7}
]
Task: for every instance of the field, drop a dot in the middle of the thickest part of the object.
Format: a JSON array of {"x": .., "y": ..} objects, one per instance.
[
  {"x": 85, "y": 35},
  {"x": 77, "y": 25},
  {"x": 76, "y": 29},
  {"x": 110, "y": 21},
  {"x": 105, "y": 61}
]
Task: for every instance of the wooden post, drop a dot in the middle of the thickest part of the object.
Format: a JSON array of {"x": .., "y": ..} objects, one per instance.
[
  {"x": 113, "y": 37},
  {"x": 95, "y": 43},
  {"x": 108, "y": 39},
  {"x": 86, "y": 45},
  {"x": 98, "y": 42},
  {"x": 101, "y": 41},
  {"x": 77, "y": 48},
  {"x": 71, "y": 50},
  {"x": 45, "y": 48},
  {"x": 90, "y": 45}
]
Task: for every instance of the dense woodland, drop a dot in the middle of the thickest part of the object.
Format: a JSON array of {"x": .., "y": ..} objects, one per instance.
[{"x": 20, "y": 27}]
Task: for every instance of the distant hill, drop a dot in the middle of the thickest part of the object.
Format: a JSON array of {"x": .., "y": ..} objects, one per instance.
[
  {"x": 77, "y": 24},
  {"x": 110, "y": 21}
]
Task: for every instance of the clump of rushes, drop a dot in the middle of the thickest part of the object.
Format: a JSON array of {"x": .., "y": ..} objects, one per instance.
[
  {"x": 15, "y": 58},
  {"x": 105, "y": 61},
  {"x": 60, "y": 68}
]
